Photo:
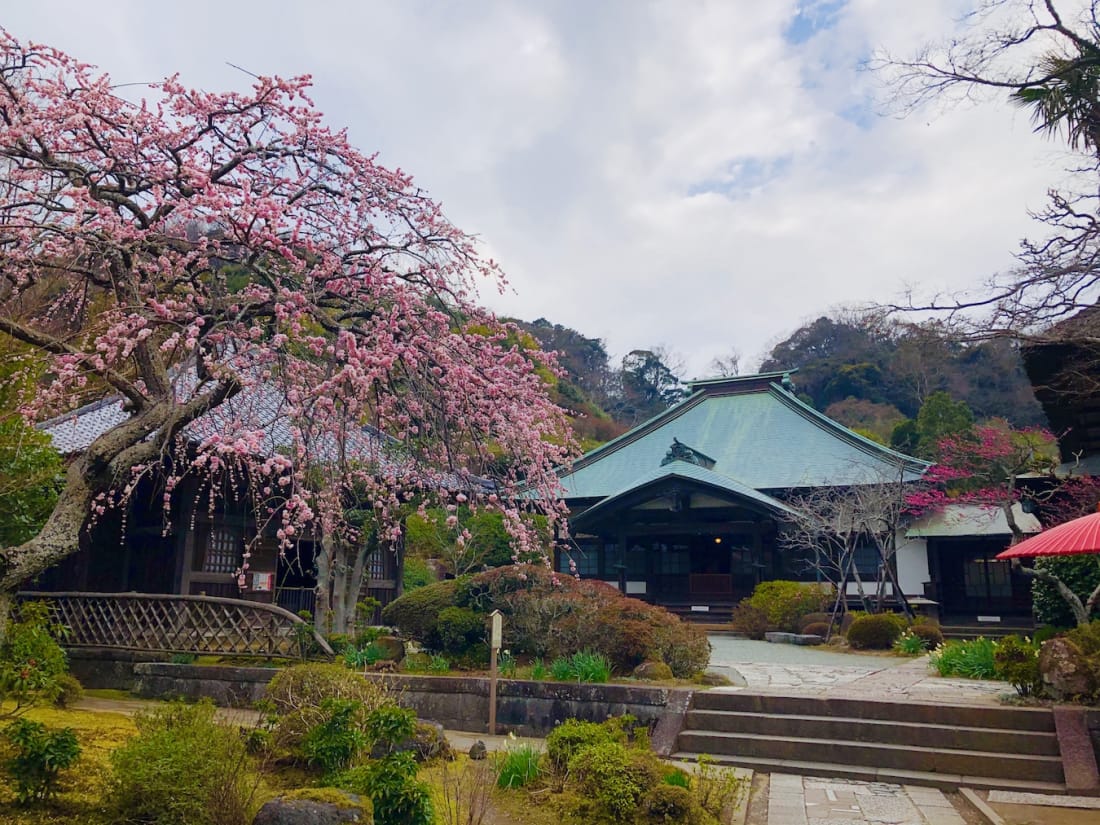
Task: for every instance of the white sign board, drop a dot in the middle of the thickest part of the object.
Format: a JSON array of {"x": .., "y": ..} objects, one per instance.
[{"x": 498, "y": 629}]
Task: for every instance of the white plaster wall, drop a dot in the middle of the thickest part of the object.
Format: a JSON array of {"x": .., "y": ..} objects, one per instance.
[{"x": 912, "y": 559}]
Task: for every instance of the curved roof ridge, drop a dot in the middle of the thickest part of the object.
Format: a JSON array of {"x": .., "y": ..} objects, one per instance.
[
  {"x": 863, "y": 443},
  {"x": 637, "y": 431}
]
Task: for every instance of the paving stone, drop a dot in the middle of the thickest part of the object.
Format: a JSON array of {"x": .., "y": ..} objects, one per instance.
[
  {"x": 893, "y": 810},
  {"x": 927, "y": 797},
  {"x": 1017, "y": 798}
]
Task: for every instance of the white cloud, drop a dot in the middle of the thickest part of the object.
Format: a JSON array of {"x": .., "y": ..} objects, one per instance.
[{"x": 662, "y": 172}]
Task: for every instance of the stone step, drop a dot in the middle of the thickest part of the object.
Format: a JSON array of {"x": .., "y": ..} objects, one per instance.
[
  {"x": 876, "y": 755},
  {"x": 929, "y": 713},
  {"x": 919, "y": 734},
  {"x": 943, "y": 781}
]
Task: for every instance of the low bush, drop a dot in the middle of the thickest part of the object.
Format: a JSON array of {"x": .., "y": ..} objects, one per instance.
[
  {"x": 930, "y": 634},
  {"x": 717, "y": 789},
  {"x": 297, "y": 693},
  {"x": 517, "y": 766},
  {"x": 70, "y": 691},
  {"x": 393, "y": 789},
  {"x": 572, "y": 735},
  {"x": 814, "y": 618},
  {"x": 816, "y": 629},
  {"x": 682, "y": 646},
  {"x": 388, "y": 726},
  {"x": 551, "y": 615},
  {"x": 390, "y": 780},
  {"x": 32, "y": 663},
  {"x": 40, "y": 756},
  {"x": 971, "y": 659},
  {"x": 874, "y": 632},
  {"x": 1017, "y": 662},
  {"x": 749, "y": 620},
  {"x": 666, "y": 803},
  {"x": 458, "y": 628},
  {"x": 182, "y": 768},
  {"x": 334, "y": 743},
  {"x": 786, "y": 602},
  {"x": 615, "y": 777},
  {"x": 416, "y": 613}
]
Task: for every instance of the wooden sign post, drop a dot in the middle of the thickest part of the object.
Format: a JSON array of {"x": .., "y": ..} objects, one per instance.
[{"x": 495, "y": 637}]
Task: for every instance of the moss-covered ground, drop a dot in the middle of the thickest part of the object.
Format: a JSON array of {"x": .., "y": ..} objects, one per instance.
[{"x": 83, "y": 788}]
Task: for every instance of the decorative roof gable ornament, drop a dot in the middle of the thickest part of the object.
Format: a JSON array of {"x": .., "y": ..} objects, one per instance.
[{"x": 679, "y": 451}]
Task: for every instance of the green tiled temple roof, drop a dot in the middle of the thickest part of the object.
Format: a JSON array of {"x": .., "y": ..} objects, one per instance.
[{"x": 759, "y": 435}]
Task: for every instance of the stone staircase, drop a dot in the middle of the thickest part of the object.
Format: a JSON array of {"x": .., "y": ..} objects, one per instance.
[{"x": 943, "y": 746}]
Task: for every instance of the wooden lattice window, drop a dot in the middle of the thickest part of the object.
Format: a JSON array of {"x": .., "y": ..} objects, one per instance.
[
  {"x": 223, "y": 552},
  {"x": 376, "y": 565}
]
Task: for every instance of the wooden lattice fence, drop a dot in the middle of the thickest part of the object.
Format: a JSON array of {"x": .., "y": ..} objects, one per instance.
[{"x": 180, "y": 624}]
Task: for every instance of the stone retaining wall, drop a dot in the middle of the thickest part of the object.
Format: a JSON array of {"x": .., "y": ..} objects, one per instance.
[
  {"x": 525, "y": 708},
  {"x": 230, "y": 687},
  {"x": 457, "y": 702},
  {"x": 107, "y": 668}
]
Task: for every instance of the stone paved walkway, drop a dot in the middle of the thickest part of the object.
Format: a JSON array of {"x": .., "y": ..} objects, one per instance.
[
  {"x": 797, "y": 800},
  {"x": 911, "y": 681}
]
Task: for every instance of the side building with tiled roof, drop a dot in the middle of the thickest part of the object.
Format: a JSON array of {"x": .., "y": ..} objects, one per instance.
[
  {"x": 687, "y": 509},
  {"x": 197, "y": 547}
]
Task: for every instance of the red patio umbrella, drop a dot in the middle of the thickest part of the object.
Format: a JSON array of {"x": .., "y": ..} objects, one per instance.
[{"x": 1082, "y": 535}]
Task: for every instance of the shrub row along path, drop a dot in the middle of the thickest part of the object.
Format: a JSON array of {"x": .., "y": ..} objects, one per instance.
[{"x": 790, "y": 669}]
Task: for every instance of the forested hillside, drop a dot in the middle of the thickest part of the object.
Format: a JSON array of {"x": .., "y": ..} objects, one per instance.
[{"x": 869, "y": 374}]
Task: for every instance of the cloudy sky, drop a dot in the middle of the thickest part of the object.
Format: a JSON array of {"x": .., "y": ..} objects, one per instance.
[{"x": 702, "y": 175}]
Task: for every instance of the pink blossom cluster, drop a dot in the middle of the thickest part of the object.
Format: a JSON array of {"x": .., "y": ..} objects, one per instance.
[{"x": 279, "y": 314}]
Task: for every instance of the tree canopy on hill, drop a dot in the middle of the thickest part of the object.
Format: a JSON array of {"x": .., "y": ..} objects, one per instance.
[{"x": 902, "y": 366}]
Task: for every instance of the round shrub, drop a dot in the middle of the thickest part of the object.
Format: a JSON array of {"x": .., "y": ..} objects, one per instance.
[
  {"x": 876, "y": 632},
  {"x": 615, "y": 777},
  {"x": 182, "y": 768},
  {"x": 669, "y": 803},
  {"x": 681, "y": 645},
  {"x": 297, "y": 694},
  {"x": 813, "y": 618},
  {"x": 749, "y": 620},
  {"x": 457, "y": 628},
  {"x": 816, "y": 629},
  {"x": 785, "y": 602},
  {"x": 571, "y": 736},
  {"x": 552, "y": 616},
  {"x": 931, "y": 635},
  {"x": 416, "y": 613},
  {"x": 1017, "y": 662},
  {"x": 70, "y": 691}
]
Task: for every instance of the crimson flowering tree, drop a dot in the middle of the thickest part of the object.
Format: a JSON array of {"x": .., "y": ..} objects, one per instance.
[
  {"x": 984, "y": 466},
  {"x": 272, "y": 309}
]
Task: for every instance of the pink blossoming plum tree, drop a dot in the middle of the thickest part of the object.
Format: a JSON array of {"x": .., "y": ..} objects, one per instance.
[{"x": 278, "y": 314}]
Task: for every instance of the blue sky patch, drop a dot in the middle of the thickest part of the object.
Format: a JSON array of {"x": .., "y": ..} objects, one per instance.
[
  {"x": 742, "y": 177},
  {"x": 812, "y": 16}
]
